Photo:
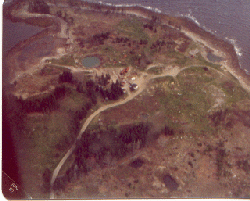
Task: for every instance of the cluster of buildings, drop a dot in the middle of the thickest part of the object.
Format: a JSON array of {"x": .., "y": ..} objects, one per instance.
[{"x": 126, "y": 78}]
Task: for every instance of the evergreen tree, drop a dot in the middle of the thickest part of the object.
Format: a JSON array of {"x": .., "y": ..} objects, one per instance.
[
  {"x": 59, "y": 91},
  {"x": 66, "y": 77},
  {"x": 168, "y": 131},
  {"x": 38, "y": 6},
  {"x": 79, "y": 88},
  {"x": 46, "y": 180}
]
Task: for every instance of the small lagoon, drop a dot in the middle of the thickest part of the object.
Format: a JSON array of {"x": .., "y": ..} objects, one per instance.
[
  {"x": 91, "y": 62},
  {"x": 213, "y": 58}
]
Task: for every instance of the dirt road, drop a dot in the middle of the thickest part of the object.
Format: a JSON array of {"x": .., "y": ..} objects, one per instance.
[
  {"x": 87, "y": 122},
  {"x": 142, "y": 83}
]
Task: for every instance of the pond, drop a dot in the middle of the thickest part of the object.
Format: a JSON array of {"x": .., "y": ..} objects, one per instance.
[
  {"x": 170, "y": 182},
  {"x": 213, "y": 58},
  {"x": 91, "y": 62}
]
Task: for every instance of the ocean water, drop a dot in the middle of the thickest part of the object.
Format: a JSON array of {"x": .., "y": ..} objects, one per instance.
[
  {"x": 14, "y": 33},
  {"x": 227, "y": 19}
]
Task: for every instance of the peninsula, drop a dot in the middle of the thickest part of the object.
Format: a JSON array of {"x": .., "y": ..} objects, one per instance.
[{"x": 124, "y": 102}]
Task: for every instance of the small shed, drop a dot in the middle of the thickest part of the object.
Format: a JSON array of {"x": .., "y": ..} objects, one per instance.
[{"x": 133, "y": 87}]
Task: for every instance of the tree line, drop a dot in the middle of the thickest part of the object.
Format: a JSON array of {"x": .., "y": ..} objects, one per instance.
[
  {"x": 47, "y": 102},
  {"x": 121, "y": 139},
  {"x": 100, "y": 88},
  {"x": 38, "y": 6}
]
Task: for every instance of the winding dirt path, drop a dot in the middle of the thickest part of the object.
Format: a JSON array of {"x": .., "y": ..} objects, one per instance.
[
  {"x": 142, "y": 83},
  {"x": 87, "y": 122}
]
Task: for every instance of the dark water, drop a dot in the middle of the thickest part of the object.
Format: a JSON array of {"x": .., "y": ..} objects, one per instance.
[
  {"x": 14, "y": 33},
  {"x": 227, "y": 19},
  {"x": 89, "y": 62},
  {"x": 213, "y": 58}
]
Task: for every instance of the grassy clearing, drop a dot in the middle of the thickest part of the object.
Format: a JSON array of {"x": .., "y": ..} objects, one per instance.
[
  {"x": 109, "y": 51},
  {"x": 184, "y": 100},
  {"x": 180, "y": 59},
  {"x": 155, "y": 71},
  {"x": 234, "y": 92},
  {"x": 192, "y": 46},
  {"x": 198, "y": 75},
  {"x": 79, "y": 99},
  {"x": 115, "y": 58},
  {"x": 67, "y": 60},
  {"x": 133, "y": 28},
  {"x": 51, "y": 134},
  {"x": 45, "y": 133},
  {"x": 167, "y": 79}
]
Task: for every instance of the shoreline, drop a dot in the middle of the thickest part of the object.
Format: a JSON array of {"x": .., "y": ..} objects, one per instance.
[
  {"x": 187, "y": 26},
  {"x": 8, "y": 56},
  {"x": 201, "y": 40},
  {"x": 53, "y": 29},
  {"x": 220, "y": 47}
]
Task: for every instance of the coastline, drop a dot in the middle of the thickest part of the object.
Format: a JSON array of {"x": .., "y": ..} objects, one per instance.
[
  {"x": 220, "y": 47},
  {"x": 11, "y": 56},
  {"x": 230, "y": 63},
  {"x": 198, "y": 34},
  {"x": 204, "y": 41},
  {"x": 191, "y": 29}
]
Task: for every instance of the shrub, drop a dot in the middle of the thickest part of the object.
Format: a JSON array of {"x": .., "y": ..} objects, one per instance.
[
  {"x": 168, "y": 131},
  {"x": 170, "y": 182},
  {"x": 66, "y": 77},
  {"x": 39, "y": 6}
]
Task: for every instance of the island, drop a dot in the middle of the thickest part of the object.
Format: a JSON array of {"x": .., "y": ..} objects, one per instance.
[{"x": 124, "y": 102}]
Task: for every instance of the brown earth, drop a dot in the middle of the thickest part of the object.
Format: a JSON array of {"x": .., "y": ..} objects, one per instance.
[{"x": 193, "y": 161}]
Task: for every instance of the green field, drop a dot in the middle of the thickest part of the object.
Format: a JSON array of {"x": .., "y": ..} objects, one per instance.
[
  {"x": 67, "y": 60},
  {"x": 132, "y": 28}
]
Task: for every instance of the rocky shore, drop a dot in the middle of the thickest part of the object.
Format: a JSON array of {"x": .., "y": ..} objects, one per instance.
[
  {"x": 219, "y": 47},
  {"x": 192, "y": 102}
]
